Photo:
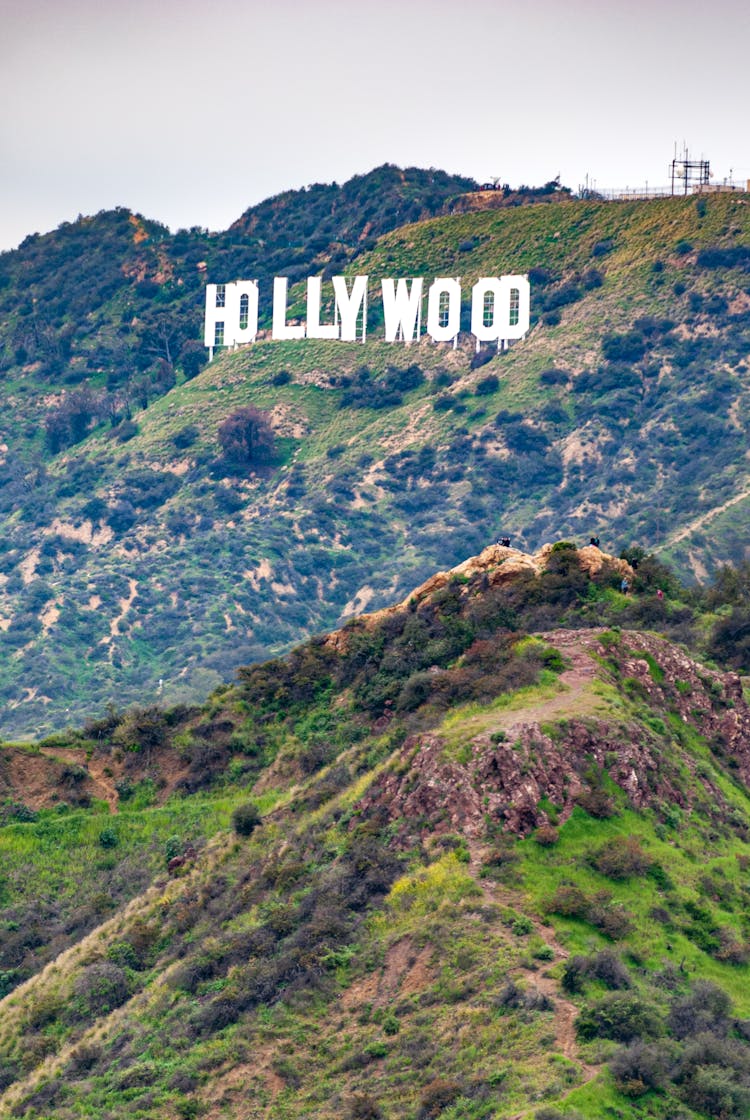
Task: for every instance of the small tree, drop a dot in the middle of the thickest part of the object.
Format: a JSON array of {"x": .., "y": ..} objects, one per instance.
[
  {"x": 246, "y": 437},
  {"x": 192, "y": 358},
  {"x": 245, "y": 819}
]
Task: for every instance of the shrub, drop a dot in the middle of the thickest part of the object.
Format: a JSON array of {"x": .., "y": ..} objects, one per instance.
[
  {"x": 437, "y": 1096},
  {"x": 487, "y": 386},
  {"x": 705, "y": 1008},
  {"x": 246, "y": 818},
  {"x": 641, "y": 1066},
  {"x": 622, "y": 1016},
  {"x": 714, "y": 1077},
  {"x": 629, "y": 347},
  {"x": 363, "y": 1106},
  {"x": 597, "y": 803},
  {"x": 613, "y": 919},
  {"x": 124, "y": 431},
  {"x": 186, "y": 437},
  {"x": 100, "y": 988},
  {"x": 554, "y": 377},
  {"x": 605, "y": 966},
  {"x": 142, "y": 729},
  {"x": 621, "y": 858},
  {"x": 108, "y": 838},
  {"x": 546, "y": 835},
  {"x": 192, "y": 358},
  {"x": 404, "y": 380},
  {"x": 569, "y": 901},
  {"x": 483, "y": 355}
]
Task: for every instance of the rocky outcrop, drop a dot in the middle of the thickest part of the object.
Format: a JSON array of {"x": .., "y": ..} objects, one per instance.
[
  {"x": 498, "y": 565},
  {"x": 513, "y": 772}
]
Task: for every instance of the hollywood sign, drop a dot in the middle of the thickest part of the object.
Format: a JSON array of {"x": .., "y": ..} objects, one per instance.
[{"x": 500, "y": 308}]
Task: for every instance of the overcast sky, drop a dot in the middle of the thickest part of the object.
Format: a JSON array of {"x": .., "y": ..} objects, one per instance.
[{"x": 190, "y": 112}]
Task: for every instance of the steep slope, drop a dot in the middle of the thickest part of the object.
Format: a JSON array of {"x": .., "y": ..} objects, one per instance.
[
  {"x": 141, "y": 555},
  {"x": 482, "y": 874}
]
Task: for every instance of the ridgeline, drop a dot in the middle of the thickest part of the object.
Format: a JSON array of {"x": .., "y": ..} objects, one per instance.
[{"x": 144, "y": 555}]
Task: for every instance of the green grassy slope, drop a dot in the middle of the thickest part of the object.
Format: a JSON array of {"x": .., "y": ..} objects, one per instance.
[
  {"x": 493, "y": 876},
  {"x": 137, "y": 555}
]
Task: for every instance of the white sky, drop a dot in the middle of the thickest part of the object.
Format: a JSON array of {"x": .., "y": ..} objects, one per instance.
[{"x": 190, "y": 112}]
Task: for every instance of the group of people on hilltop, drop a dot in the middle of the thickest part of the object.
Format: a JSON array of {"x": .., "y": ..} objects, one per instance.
[{"x": 504, "y": 542}]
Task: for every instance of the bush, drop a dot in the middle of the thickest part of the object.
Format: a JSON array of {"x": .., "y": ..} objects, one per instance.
[
  {"x": 705, "y": 1008},
  {"x": 546, "y": 835},
  {"x": 100, "y": 988},
  {"x": 613, "y": 919},
  {"x": 487, "y": 386},
  {"x": 569, "y": 901},
  {"x": 597, "y": 803},
  {"x": 363, "y": 1106},
  {"x": 605, "y": 966},
  {"x": 621, "y": 858},
  {"x": 404, "y": 380},
  {"x": 641, "y": 1066},
  {"x": 483, "y": 355},
  {"x": 437, "y": 1096},
  {"x": 629, "y": 347},
  {"x": 186, "y": 437},
  {"x": 622, "y": 1016},
  {"x": 192, "y": 358},
  {"x": 108, "y": 838},
  {"x": 245, "y": 819},
  {"x": 142, "y": 730},
  {"x": 715, "y": 1081},
  {"x": 554, "y": 377}
]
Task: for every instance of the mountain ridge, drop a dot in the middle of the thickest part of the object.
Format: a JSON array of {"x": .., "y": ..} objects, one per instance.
[
  {"x": 429, "y": 865},
  {"x": 623, "y": 413}
]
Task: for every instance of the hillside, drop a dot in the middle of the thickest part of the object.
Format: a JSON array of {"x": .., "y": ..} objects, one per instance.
[
  {"x": 481, "y": 855},
  {"x": 135, "y": 553}
]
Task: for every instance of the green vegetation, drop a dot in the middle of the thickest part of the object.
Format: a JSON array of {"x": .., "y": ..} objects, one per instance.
[
  {"x": 382, "y": 463},
  {"x": 428, "y": 866}
]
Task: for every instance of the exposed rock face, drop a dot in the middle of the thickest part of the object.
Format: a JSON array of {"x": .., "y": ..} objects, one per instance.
[
  {"x": 511, "y": 771},
  {"x": 505, "y": 782},
  {"x": 504, "y": 565},
  {"x": 499, "y": 565},
  {"x": 711, "y": 702}
]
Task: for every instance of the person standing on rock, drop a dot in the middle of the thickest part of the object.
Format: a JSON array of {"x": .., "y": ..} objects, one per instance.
[{"x": 625, "y": 586}]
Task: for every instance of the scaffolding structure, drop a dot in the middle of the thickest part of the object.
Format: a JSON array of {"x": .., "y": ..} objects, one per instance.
[{"x": 690, "y": 174}]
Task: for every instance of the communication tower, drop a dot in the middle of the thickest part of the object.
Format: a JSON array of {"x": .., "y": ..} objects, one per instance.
[{"x": 689, "y": 174}]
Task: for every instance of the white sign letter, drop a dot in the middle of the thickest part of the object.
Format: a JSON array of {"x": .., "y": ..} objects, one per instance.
[
  {"x": 215, "y": 322},
  {"x": 444, "y": 309},
  {"x": 348, "y": 306},
  {"x": 402, "y": 309},
  {"x": 500, "y": 308},
  {"x": 315, "y": 329},
  {"x": 242, "y": 311},
  {"x": 280, "y": 328}
]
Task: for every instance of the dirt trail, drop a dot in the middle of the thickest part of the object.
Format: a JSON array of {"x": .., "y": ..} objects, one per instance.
[
  {"x": 103, "y": 783},
  {"x": 565, "y": 1011},
  {"x": 575, "y": 696},
  {"x": 699, "y": 522}
]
